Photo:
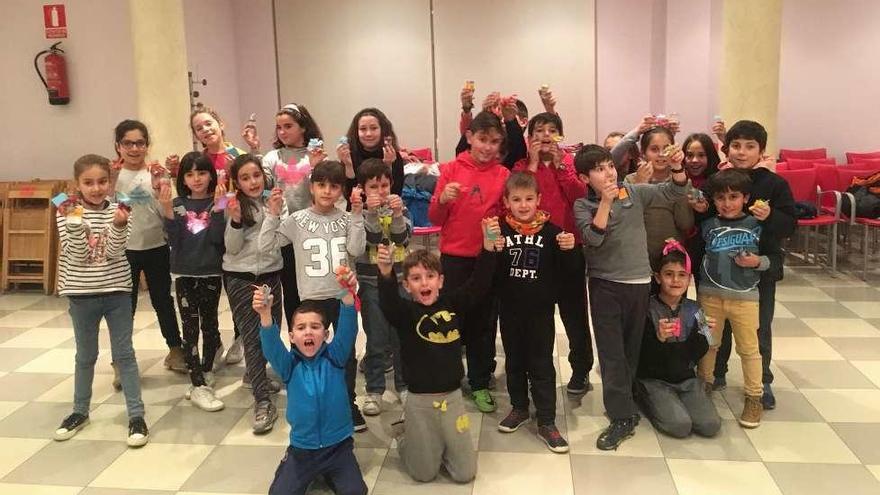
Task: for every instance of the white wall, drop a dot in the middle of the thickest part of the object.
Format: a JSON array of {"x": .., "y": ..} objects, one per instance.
[
  {"x": 255, "y": 56},
  {"x": 351, "y": 55},
  {"x": 515, "y": 49},
  {"x": 41, "y": 140},
  {"x": 829, "y": 81},
  {"x": 688, "y": 75},
  {"x": 623, "y": 63}
]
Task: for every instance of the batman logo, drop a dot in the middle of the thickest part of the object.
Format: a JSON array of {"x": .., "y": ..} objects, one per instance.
[{"x": 438, "y": 328}]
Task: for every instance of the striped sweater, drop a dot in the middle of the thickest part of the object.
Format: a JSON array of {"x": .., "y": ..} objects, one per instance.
[{"x": 92, "y": 258}]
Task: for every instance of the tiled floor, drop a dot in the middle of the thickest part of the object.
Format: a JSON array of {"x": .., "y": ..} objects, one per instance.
[{"x": 823, "y": 438}]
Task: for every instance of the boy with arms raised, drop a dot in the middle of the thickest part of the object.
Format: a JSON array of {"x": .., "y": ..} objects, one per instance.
[{"x": 429, "y": 326}]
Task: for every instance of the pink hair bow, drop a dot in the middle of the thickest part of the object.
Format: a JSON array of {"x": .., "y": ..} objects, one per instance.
[{"x": 673, "y": 245}]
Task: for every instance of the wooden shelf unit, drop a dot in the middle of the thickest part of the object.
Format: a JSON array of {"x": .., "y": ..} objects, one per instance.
[{"x": 30, "y": 240}]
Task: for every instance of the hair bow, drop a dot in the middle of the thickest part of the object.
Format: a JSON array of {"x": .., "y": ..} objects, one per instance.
[{"x": 673, "y": 245}]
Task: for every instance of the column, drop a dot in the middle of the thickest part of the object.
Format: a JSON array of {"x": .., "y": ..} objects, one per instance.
[
  {"x": 749, "y": 76},
  {"x": 157, "y": 30}
]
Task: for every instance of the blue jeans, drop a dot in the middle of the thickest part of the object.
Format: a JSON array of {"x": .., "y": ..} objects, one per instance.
[
  {"x": 86, "y": 313},
  {"x": 382, "y": 338}
]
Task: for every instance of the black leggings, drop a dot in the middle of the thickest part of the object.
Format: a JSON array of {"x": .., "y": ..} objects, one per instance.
[{"x": 197, "y": 301}]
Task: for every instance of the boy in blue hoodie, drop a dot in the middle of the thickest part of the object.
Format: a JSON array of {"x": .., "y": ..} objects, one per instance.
[{"x": 314, "y": 372}]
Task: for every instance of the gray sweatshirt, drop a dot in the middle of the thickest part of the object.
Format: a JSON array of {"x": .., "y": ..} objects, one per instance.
[
  {"x": 321, "y": 243},
  {"x": 619, "y": 253},
  {"x": 243, "y": 254}
]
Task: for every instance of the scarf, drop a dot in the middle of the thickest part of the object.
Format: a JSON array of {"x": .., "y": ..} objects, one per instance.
[{"x": 529, "y": 228}]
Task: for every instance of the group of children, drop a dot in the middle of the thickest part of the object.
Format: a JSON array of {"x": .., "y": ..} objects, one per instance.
[{"x": 525, "y": 226}]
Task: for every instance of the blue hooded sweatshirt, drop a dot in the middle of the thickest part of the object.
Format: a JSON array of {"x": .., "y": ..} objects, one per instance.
[{"x": 318, "y": 407}]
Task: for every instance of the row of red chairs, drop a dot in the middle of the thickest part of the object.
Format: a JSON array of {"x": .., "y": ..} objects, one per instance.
[
  {"x": 819, "y": 153},
  {"x": 824, "y": 186}
]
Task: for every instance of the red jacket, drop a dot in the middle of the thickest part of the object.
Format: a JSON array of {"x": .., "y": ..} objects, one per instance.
[
  {"x": 559, "y": 189},
  {"x": 481, "y": 189}
]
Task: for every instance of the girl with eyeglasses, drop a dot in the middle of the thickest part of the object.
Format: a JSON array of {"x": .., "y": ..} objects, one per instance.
[{"x": 147, "y": 250}]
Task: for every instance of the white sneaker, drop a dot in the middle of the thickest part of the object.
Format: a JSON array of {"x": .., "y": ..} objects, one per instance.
[
  {"x": 203, "y": 398},
  {"x": 218, "y": 358},
  {"x": 236, "y": 352},
  {"x": 372, "y": 405}
]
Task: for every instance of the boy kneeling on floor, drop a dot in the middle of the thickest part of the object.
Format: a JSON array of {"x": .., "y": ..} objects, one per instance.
[{"x": 314, "y": 373}]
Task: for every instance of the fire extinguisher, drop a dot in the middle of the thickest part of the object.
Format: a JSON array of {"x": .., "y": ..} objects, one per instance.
[{"x": 56, "y": 75}]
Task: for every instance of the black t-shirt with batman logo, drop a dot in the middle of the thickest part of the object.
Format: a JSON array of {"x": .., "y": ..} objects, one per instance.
[{"x": 430, "y": 336}]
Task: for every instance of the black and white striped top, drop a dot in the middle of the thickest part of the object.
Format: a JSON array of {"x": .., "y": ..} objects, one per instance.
[{"x": 92, "y": 258}]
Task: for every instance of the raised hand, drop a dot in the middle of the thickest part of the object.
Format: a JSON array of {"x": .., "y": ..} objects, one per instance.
[{"x": 450, "y": 192}]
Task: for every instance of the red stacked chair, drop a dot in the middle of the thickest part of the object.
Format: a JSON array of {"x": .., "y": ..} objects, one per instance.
[
  {"x": 852, "y": 157},
  {"x": 814, "y": 153},
  {"x": 805, "y": 189}
]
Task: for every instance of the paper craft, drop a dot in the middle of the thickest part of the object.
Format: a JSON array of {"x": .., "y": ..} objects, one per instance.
[
  {"x": 703, "y": 325},
  {"x": 342, "y": 141},
  {"x": 351, "y": 288},
  {"x": 223, "y": 202},
  {"x": 266, "y": 193},
  {"x": 314, "y": 144},
  {"x": 74, "y": 216},
  {"x": 469, "y": 85},
  {"x": 759, "y": 203},
  {"x": 60, "y": 200},
  {"x": 267, "y": 294}
]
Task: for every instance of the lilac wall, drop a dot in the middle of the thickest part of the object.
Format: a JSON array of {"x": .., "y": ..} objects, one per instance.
[{"x": 829, "y": 87}]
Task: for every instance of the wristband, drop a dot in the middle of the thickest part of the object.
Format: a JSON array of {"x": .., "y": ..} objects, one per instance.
[{"x": 677, "y": 170}]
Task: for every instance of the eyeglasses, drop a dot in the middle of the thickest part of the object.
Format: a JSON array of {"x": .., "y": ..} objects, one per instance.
[{"x": 133, "y": 144}]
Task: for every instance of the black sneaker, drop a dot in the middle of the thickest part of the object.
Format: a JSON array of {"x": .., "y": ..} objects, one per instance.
[
  {"x": 618, "y": 431},
  {"x": 70, "y": 426},
  {"x": 513, "y": 421},
  {"x": 360, "y": 424},
  {"x": 551, "y": 436},
  {"x": 720, "y": 383},
  {"x": 578, "y": 385},
  {"x": 138, "y": 435}
]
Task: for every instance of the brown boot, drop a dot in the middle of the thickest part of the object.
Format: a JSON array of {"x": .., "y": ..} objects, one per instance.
[
  {"x": 752, "y": 412},
  {"x": 174, "y": 360}
]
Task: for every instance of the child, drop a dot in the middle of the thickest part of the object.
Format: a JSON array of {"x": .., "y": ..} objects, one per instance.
[
  {"x": 729, "y": 283},
  {"x": 323, "y": 237},
  {"x": 531, "y": 260},
  {"x": 208, "y": 128},
  {"x": 468, "y": 190},
  {"x": 244, "y": 267},
  {"x": 294, "y": 128},
  {"x": 514, "y": 113},
  {"x": 612, "y": 139},
  {"x": 314, "y": 373},
  {"x": 560, "y": 188},
  {"x": 386, "y": 221},
  {"x": 662, "y": 220},
  {"x": 437, "y": 428},
  {"x": 701, "y": 159},
  {"x": 772, "y": 204},
  {"x": 611, "y": 221},
  {"x": 147, "y": 249},
  {"x": 195, "y": 226},
  {"x": 675, "y": 339},
  {"x": 371, "y": 135},
  {"x": 94, "y": 274}
]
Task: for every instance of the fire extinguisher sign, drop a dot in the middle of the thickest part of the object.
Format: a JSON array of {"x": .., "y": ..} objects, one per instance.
[{"x": 55, "y": 20}]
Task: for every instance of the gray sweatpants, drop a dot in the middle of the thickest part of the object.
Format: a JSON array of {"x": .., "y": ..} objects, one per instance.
[
  {"x": 437, "y": 433},
  {"x": 678, "y": 409}
]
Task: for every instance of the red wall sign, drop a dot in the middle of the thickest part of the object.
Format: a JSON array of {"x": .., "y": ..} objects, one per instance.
[{"x": 55, "y": 20}]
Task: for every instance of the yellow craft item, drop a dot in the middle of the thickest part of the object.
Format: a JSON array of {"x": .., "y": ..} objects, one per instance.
[
  {"x": 622, "y": 194},
  {"x": 462, "y": 423},
  {"x": 759, "y": 203},
  {"x": 440, "y": 405}
]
